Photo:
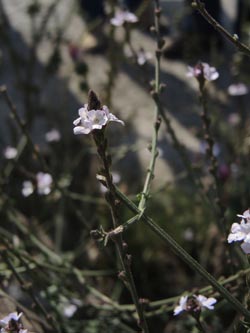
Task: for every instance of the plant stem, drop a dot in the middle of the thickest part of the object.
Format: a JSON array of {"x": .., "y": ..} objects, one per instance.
[
  {"x": 157, "y": 120},
  {"x": 124, "y": 258},
  {"x": 234, "y": 39},
  {"x": 179, "y": 251}
]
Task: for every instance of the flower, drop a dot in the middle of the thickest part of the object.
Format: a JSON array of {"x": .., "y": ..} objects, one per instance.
[
  {"x": 53, "y": 135},
  {"x": 27, "y": 188},
  {"x": 11, "y": 316},
  {"x": 202, "y": 69},
  {"x": 90, "y": 120},
  {"x": 10, "y": 152},
  {"x": 182, "y": 305},
  {"x": 143, "y": 57},
  {"x": 238, "y": 89},
  {"x": 194, "y": 304},
  {"x": 44, "y": 182},
  {"x": 122, "y": 17},
  {"x": 241, "y": 232}
]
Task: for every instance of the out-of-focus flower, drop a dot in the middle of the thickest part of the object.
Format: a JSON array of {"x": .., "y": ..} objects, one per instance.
[
  {"x": 143, "y": 57},
  {"x": 90, "y": 120},
  {"x": 53, "y": 135},
  {"x": 43, "y": 185},
  {"x": 203, "y": 69},
  {"x": 10, "y": 153},
  {"x": 234, "y": 119},
  {"x": 69, "y": 310},
  {"x": 237, "y": 89},
  {"x": 194, "y": 304},
  {"x": 204, "y": 146},
  {"x": 188, "y": 234},
  {"x": 27, "y": 188},
  {"x": 11, "y": 316},
  {"x": 241, "y": 232},
  {"x": 122, "y": 17},
  {"x": 44, "y": 182}
]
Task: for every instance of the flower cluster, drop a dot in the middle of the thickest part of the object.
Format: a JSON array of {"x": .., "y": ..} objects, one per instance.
[
  {"x": 11, "y": 323},
  {"x": 122, "y": 17},
  {"x": 90, "y": 120},
  {"x": 202, "y": 69},
  {"x": 43, "y": 185},
  {"x": 194, "y": 304},
  {"x": 240, "y": 232}
]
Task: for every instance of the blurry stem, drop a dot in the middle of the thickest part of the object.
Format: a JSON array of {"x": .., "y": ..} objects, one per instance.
[
  {"x": 199, "y": 325},
  {"x": 21, "y": 124},
  {"x": 180, "y": 252},
  {"x": 112, "y": 60},
  {"x": 234, "y": 39},
  {"x": 213, "y": 169}
]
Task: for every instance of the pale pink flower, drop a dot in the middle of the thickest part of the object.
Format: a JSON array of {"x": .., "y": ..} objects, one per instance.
[
  {"x": 53, "y": 135},
  {"x": 27, "y": 188},
  {"x": 44, "y": 183},
  {"x": 240, "y": 232},
  {"x": 237, "y": 89},
  {"x": 203, "y": 69},
  {"x": 122, "y": 17},
  {"x": 10, "y": 153},
  {"x": 194, "y": 303},
  {"x": 90, "y": 120},
  {"x": 143, "y": 57}
]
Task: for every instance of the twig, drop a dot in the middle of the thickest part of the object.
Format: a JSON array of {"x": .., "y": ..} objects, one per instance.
[{"x": 234, "y": 39}]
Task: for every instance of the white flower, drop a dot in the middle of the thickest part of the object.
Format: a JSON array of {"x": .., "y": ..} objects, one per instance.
[
  {"x": 11, "y": 316},
  {"x": 194, "y": 303},
  {"x": 23, "y": 331},
  {"x": 53, "y": 135},
  {"x": 27, "y": 188},
  {"x": 44, "y": 182},
  {"x": 241, "y": 232},
  {"x": 206, "y": 302},
  {"x": 238, "y": 89},
  {"x": 93, "y": 119},
  {"x": 10, "y": 152},
  {"x": 182, "y": 305},
  {"x": 210, "y": 73},
  {"x": 143, "y": 57},
  {"x": 69, "y": 310},
  {"x": 123, "y": 16}
]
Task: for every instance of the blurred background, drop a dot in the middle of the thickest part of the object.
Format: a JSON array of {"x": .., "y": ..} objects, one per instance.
[{"x": 52, "y": 53}]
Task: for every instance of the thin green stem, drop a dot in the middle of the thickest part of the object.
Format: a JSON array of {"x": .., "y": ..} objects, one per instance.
[
  {"x": 179, "y": 251},
  {"x": 157, "y": 120}
]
